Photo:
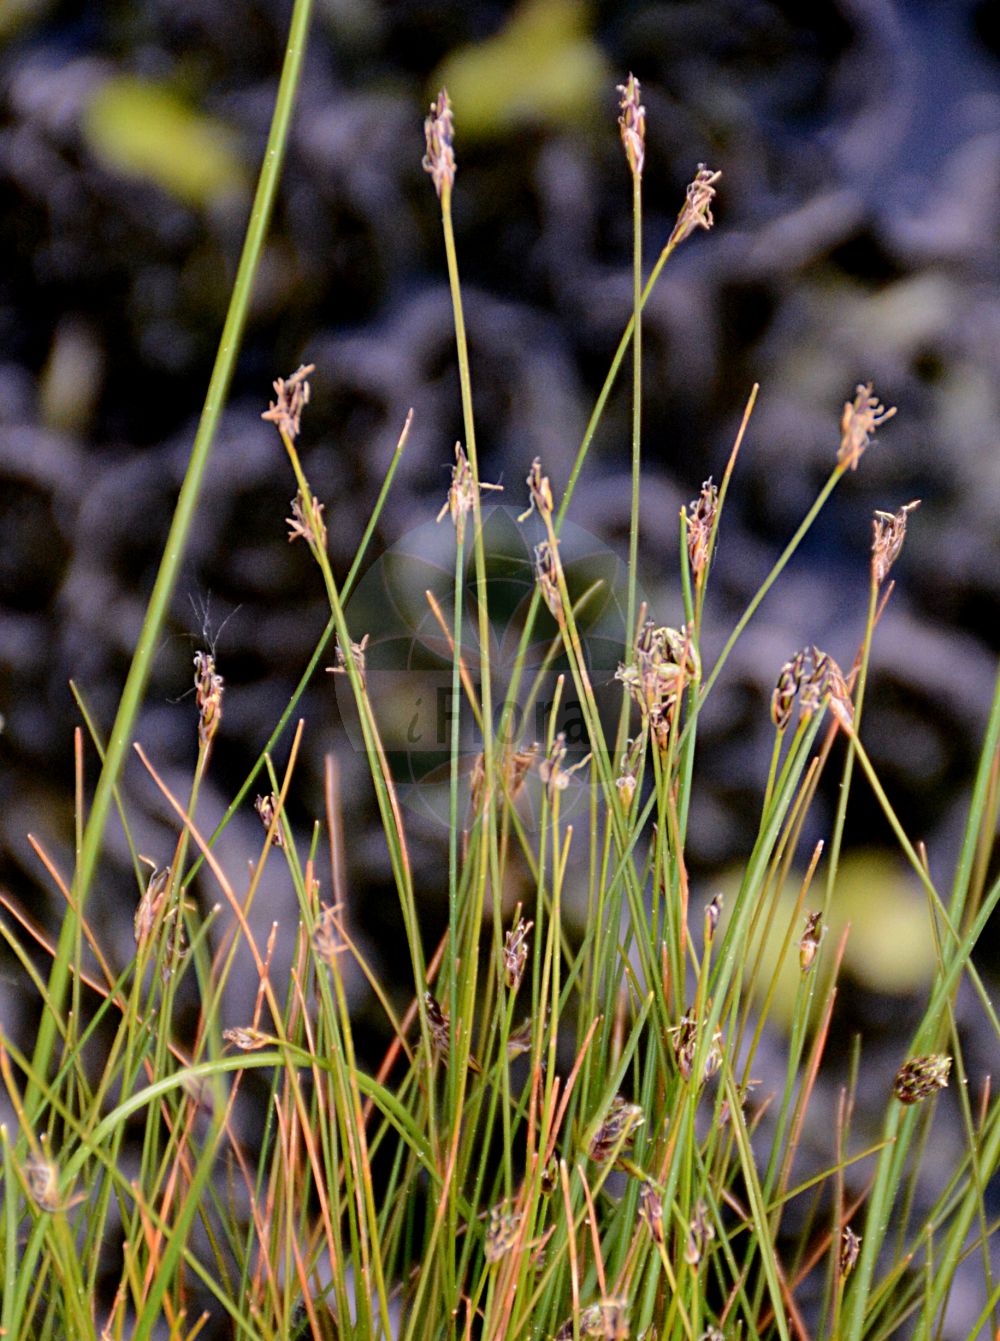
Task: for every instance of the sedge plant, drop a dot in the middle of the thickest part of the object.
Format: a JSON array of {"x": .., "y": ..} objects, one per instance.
[{"x": 563, "y": 1139}]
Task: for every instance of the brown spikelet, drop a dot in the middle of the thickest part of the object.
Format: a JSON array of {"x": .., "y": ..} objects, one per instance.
[
  {"x": 502, "y": 1232},
  {"x": 440, "y": 1026},
  {"x": 651, "y": 1210},
  {"x": 515, "y": 953},
  {"x": 700, "y": 1232},
  {"x": 786, "y": 691},
  {"x": 539, "y": 492},
  {"x": 699, "y": 518},
  {"x": 151, "y": 902},
  {"x": 809, "y": 943},
  {"x": 861, "y": 417},
  {"x": 358, "y": 655},
  {"x": 850, "y": 1247},
  {"x": 888, "y": 534},
  {"x": 247, "y": 1040},
  {"x": 616, "y": 1133},
  {"x": 696, "y": 212},
  {"x": 632, "y": 123},
  {"x": 461, "y": 498},
  {"x": 208, "y": 689},
  {"x": 547, "y": 569},
  {"x": 439, "y": 132},
  {"x": 306, "y": 523},
  {"x": 265, "y": 807},
  {"x": 291, "y": 398},
  {"x": 921, "y": 1077}
]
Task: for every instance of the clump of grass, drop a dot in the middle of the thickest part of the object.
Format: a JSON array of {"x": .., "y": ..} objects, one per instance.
[{"x": 560, "y": 1140}]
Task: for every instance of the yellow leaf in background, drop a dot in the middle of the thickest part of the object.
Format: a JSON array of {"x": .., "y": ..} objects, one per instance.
[
  {"x": 16, "y": 14},
  {"x": 143, "y": 129},
  {"x": 543, "y": 66},
  {"x": 889, "y": 947}
]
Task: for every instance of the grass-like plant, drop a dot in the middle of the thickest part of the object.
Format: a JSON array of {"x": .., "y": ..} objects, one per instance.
[{"x": 559, "y": 1141}]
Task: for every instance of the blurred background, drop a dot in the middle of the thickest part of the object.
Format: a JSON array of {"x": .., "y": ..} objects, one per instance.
[{"x": 856, "y": 237}]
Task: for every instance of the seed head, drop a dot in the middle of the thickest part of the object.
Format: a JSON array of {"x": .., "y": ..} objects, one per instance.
[
  {"x": 461, "y": 498},
  {"x": 627, "y": 779},
  {"x": 606, "y": 1321},
  {"x": 539, "y": 492},
  {"x": 208, "y": 687},
  {"x": 888, "y": 534},
  {"x": 699, "y": 518},
  {"x": 515, "y": 953},
  {"x": 306, "y": 522},
  {"x": 616, "y": 1134},
  {"x": 713, "y": 911},
  {"x": 247, "y": 1040},
  {"x": 814, "y": 677},
  {"x": 328, "y": 942},
  {"x": 633, "y": 124},
  {"x": 684, "y": 1042},
  {"x": 439, "y": 132},
  {"x": 700, "y": 1233},
  {"x": 151, "y": 902},
  {"x": 809, "y": 944},
  {"x": 516, "y": 765},
  {"x": 725, "y": 1112},
  {"x": 292, "y": 396},
  {"x": 838, "y": 694},
  {"x": 547, "y": 570},
  {"x": 357, "y": 653},
  {"x": 664, "y": 661},
  {"x": 786, "y": 691},
  {"x": 519, "y": 1040},
  {"x": 651, "y": 1210},
  {"x": 502, "y": 1232},
  {"x": 551, "y": 770},
  {"x": 696, "y": 212},
  {"x": 850, "y": 1246},
  {"x": 549, "y": 1180},
  {"x": 42, "y": 1175},
  {"x": 626, "y": 789},
  {"x": 265, "y": 807},
  {"x": 440, "y": 1026},
  {"x": 813, "y": 683},
  {"x": 920, "y": 1077},
  {"x": 861, "y": 417},
  {"x": 713, "y": 1058}
]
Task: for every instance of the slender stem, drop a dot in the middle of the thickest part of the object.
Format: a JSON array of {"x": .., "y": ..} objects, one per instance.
[
  {"x": 845, "y": 781},
  {"x": 633, "y": 538}
]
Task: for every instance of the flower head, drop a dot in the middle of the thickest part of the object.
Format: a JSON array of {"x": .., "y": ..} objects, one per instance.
[
  {"x": 696, "y": 212},
  {"x": 921, "y": 1077},
  {"x": 439, "y": 131},
  {"x": 861, "y": 417},
  {"x": 633, "y": 124},
  {"x": 888, "y": 534},
  {"x": 292, "y": 395}
]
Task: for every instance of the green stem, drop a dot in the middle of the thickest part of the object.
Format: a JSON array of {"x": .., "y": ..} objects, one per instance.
[
  {"x": 845, "y": 782},
  {"x": 633, "y": 538}
]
